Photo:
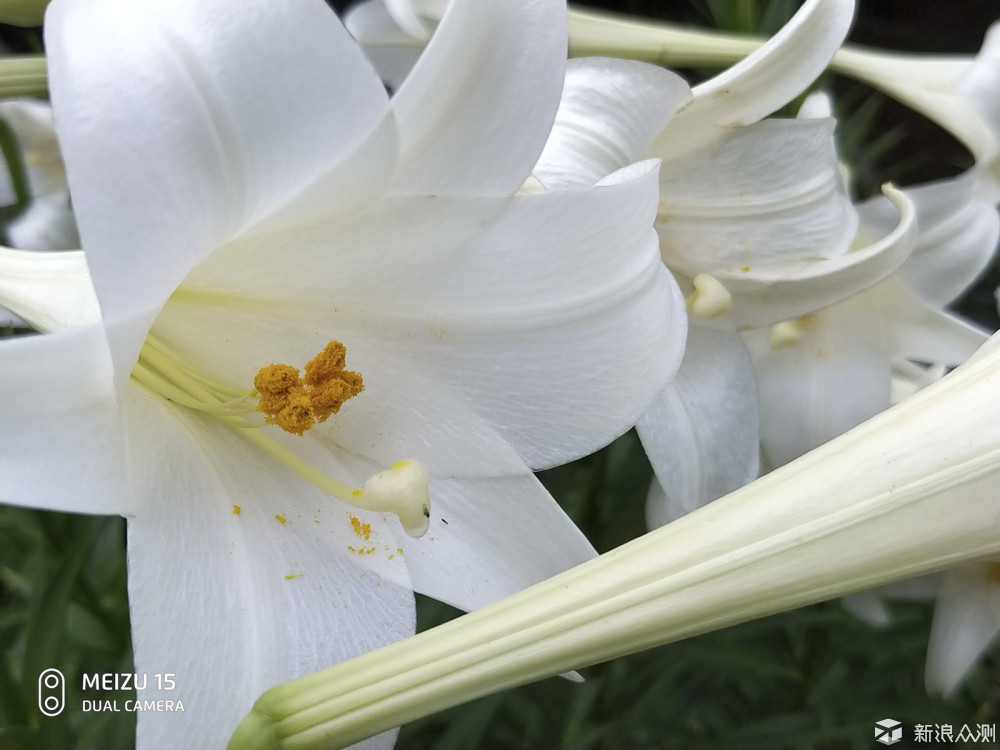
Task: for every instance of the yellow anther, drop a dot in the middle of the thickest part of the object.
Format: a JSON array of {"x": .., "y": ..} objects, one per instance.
[
  {"x": 294, "y": 403},
  {"x": 327, "y": 364},
  {"x": 710, "y": 298}
]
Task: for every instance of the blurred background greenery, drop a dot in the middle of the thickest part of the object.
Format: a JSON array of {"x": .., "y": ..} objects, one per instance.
[{"x": 814, "y": 678}]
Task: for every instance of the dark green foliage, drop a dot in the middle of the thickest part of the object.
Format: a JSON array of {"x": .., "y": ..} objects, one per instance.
[{"x": 62, "y": 605}]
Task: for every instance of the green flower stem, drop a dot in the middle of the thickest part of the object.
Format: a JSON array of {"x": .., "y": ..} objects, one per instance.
[
  {"x": 25, "y": 75},
  {"x": 595, "y": 33},
  {"x": 910, "y": 492}
]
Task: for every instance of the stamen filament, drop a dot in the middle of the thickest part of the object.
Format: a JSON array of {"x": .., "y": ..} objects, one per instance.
[
  {"x": 161, "y": 353},
  {"x": 158, "y": 382}
]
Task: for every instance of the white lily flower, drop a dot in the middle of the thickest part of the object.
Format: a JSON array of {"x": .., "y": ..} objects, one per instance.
[
  {"x": 757, "y": 205},
  {"x": 821, "y": 374},
  {"x": 753, "y": 220},
  {"x": 247, "y": 195},
  {"x": 826, "y": 525}
]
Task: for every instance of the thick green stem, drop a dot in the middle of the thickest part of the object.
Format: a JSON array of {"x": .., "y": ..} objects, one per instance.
[
  {"x": 595, "y": 33},
  {"x": 910, "y": 492},
  {"x": 26, "y": 75}
]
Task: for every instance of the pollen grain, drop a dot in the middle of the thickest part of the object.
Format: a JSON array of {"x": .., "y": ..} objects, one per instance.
[{"x": 363, "y": 530}]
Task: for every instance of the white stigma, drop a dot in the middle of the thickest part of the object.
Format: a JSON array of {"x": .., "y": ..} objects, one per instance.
[{"x": 401, "y": 489}]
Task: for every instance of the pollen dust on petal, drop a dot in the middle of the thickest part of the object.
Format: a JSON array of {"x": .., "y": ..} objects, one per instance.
[
  {"x": 295, "y": 403},
  {"x": 363, "y": 531}
]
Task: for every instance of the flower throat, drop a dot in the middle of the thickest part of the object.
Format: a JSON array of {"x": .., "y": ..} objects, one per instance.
[{"x": 295, "y": 403}]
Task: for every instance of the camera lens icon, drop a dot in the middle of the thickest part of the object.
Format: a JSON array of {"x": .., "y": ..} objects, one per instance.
[{"x": 51, "y": 692}]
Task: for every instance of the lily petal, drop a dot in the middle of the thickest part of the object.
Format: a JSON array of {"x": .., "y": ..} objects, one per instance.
[
  {"x": 609, "y": 112},
  {"x": 244, "y": 575},
  {"x": 923, "y": 332},
  {"x": 406, "y": 15},
  {"x": 460, "y": 308},
  {"x": 228, "y": 149},
  {"x": 770, "y": 192},
  {"x": 781, "y": 291},
  {"x": 869, "y": 606},
  {"x": 58, "y": 403},
  {"x": 502, "y": 534},
  {"x": 979, "y": 81},
  {"x": 701, "y": 433},
  {"x": 51, "y": 291},
  {"x": 958, "y": 237},
  {"x": 493, "y": 111},
  {"x": 762, "y": 82},
  {"x": 834, "y": 377},
  {"x": 966, "y": 621}
]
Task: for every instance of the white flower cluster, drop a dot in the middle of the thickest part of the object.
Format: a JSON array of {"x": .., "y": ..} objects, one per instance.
[{"x": 506, "y": 263}]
